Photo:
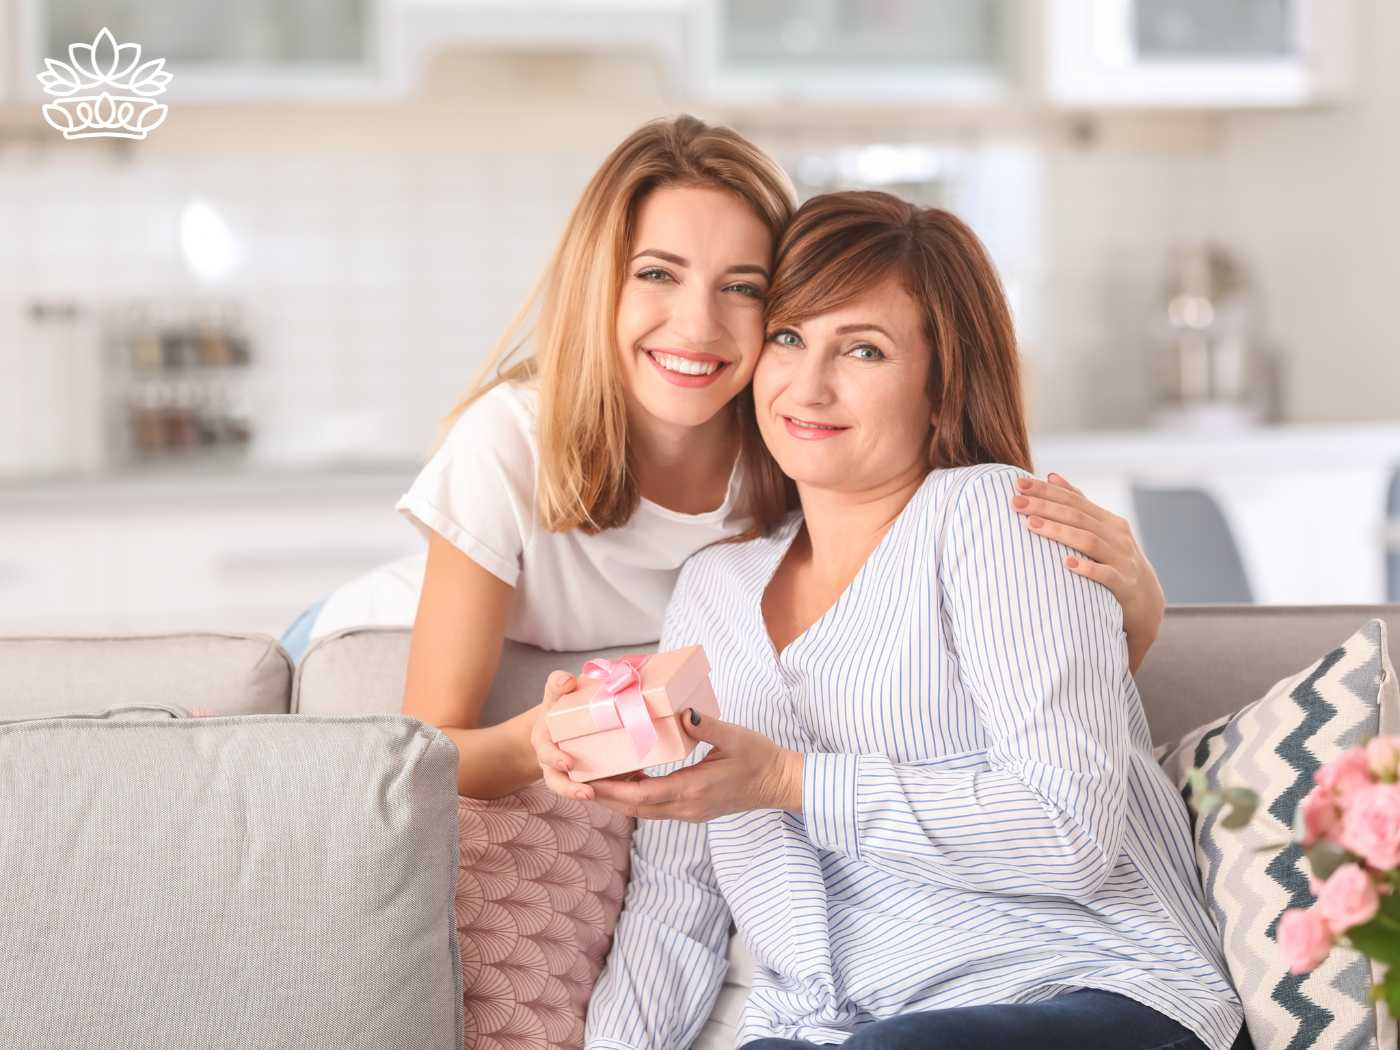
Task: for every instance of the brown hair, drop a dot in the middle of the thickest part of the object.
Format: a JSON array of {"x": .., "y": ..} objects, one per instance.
[
  {"x": 586, "y": 480},
  {"x": 841, "y": 245}
]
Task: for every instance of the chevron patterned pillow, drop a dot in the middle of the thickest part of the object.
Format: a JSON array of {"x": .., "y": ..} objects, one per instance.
[{"x": 1274, "y": 746}]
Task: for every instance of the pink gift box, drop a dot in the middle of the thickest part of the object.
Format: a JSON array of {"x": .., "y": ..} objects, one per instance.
[{"x": 625, "y": 714}]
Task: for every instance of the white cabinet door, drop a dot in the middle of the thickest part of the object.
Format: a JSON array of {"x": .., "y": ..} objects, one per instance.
[
  {"x": 242, "y": 565},
  {"x": 250, "y": 567},
  {"x": 853, "y": 51},
  {"x": 1199, "y": 53},
  {"x": 55, "y": 575},
  {"x": 215, "y": 50}
]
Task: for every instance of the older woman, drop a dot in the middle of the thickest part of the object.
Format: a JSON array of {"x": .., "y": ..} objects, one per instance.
[{"x": 931, "y": 808}]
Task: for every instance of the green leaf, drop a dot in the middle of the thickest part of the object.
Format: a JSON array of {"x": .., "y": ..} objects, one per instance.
[
  {"x": 1326, "y": 857},
  {"x": 1392, "y": 990},
  {"x": 1236, "y": 818},
  {"x": 1242, "y": 797},
  {"x": 1242, "y": 803},
  {"x": 1378, "y": 939},
  {"x": 1206, "y": 802},
  {"x": 1390, "y": 905}
]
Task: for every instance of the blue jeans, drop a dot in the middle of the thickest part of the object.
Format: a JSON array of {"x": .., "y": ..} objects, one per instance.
[
  {"x": 1085, "y": 1019},
  {"x": 296, "y": 638}
]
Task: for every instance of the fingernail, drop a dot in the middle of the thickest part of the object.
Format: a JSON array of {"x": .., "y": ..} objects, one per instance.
[
  {"x": 1023, "y": 483},
  {"x": 1054, "y": 477},
  {"x": 1035, "y": 522},
  {"x": 694, "y": 717},
  {"x": 1020, "y": 502},
  {"x": 1072, "y": 563}
]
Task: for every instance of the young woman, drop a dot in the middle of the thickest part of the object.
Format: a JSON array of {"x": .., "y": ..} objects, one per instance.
[
  {"x": 931, "y": 807},
  {"x": 567, "y": 491}
]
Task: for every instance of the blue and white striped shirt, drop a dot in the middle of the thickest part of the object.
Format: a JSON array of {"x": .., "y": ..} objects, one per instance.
[{"x": 982, "y": 820}]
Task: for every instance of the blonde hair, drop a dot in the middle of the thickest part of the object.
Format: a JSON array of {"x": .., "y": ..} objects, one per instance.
[{"x": 585, "y": 477}]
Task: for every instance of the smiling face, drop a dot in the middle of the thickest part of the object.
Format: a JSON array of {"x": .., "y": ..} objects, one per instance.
[
  {"x": 690, "y": 316},
  {"x": 842, "y": 398}
]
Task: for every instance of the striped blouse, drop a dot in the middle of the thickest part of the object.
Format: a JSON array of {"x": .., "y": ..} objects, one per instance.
[{"x": 982, "y": 819}]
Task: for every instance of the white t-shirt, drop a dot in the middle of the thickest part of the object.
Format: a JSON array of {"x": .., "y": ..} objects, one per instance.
[{"x": 573, "y": 591}]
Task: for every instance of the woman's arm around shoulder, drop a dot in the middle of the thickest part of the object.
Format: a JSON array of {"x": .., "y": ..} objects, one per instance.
[{"x": 1105, "y": 551}]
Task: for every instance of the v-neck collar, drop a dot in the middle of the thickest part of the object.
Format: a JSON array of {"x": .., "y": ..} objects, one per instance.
[{"x": 781, "y": 542}]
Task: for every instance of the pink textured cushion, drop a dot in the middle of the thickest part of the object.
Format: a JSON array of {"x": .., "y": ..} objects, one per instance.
[{"x": 538, "y": 894}]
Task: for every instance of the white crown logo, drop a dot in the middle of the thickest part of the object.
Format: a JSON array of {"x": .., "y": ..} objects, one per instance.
[{"x": 105, "y": 63}]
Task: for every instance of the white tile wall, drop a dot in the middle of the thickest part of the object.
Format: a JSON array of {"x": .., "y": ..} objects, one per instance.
[{"x": 371, "y": 286}]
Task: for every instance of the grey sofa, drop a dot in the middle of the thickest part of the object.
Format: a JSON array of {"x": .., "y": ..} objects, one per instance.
[{"x": 1209, "y": 660}]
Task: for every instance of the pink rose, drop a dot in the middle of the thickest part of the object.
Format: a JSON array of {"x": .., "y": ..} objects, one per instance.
[
  {"x": 1371, "y": 825},
  {"x": 1304, "y": 938},
  {"x": 1348, "y": 898},
  {"x": 1320, "y": 815},
  {"x": 1383, "y": 756},
  {"x": 1346, "y": 774}
]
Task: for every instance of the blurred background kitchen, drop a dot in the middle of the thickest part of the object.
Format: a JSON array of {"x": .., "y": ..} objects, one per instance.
[{"x": 226, "y": 347}]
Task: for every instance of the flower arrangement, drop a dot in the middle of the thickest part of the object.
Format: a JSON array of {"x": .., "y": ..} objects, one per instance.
[{"x": 1349, "y": 828}]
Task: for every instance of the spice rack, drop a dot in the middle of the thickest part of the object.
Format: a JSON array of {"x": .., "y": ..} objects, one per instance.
[{"x": 185, "y": 382}]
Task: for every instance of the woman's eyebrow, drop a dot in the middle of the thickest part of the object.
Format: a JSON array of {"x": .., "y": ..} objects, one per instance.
[
  {"x": 847, "y": 329},
  {"x": 748, "y": 268},
  {"x": 672, "y": 257}
]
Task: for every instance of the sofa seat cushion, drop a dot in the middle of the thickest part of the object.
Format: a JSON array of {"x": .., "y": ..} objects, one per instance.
[{"x": 1274, "y": 745}]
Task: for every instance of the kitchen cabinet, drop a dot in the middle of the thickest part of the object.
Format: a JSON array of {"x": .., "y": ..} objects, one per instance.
[
  {"x": 151, "y": 555},
  {"x": 9, "y": 54},
  {"x": 254, "y": 49},
  {"x": 549, "y": 24},
  {"x": 1199, "y": 53},
  {"x": 653, "y": 27},
  {"x": 850, "y": 51},
  {"x": 1189, "y": 54}
]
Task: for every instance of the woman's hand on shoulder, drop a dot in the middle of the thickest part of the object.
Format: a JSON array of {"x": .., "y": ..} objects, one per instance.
[
  {"x": 743, "y": 770},
  {"x": 555, "y": 763},
  {"x": 1108, "y": 553}
]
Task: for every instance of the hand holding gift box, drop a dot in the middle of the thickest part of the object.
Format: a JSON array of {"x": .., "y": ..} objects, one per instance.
[{"x": 625, "y": 714}]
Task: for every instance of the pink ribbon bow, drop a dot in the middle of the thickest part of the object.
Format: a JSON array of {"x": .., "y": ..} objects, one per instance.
[{"x": 622, "y": 685}]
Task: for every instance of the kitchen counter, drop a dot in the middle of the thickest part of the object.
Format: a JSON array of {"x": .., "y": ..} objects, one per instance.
[
  {"x": 1273, "y": 447},
  {"x": 210, "y": 483},
  {"x": 1306, "y": 505}
]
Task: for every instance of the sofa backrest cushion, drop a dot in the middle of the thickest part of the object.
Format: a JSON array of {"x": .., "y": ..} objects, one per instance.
[
  {"x": 266, "y": 880},
  {"x": 1210, "y": 660},
  {"x": 228, "y": 674},
  {"x": 361, "y": 670}
]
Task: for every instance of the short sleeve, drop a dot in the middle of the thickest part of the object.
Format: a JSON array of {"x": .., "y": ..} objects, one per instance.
[{"x": 478, "y": 490}]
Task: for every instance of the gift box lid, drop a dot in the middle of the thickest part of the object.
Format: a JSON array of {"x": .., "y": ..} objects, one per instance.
[{"x": 668, "y": 681}]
